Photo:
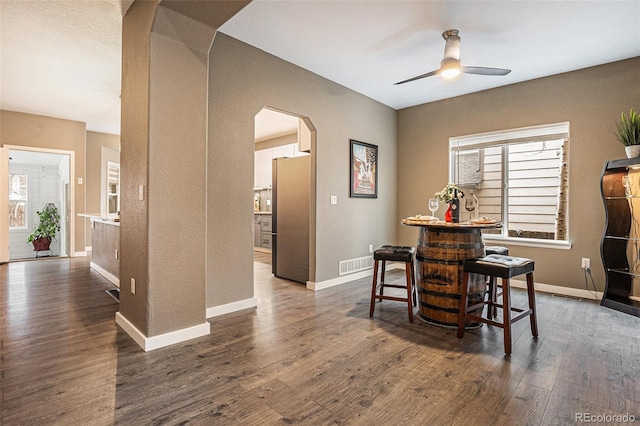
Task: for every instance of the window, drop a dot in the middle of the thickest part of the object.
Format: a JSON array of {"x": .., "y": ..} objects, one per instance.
[
  {"x": 519, "y": 177},
  {"x": 17, "y": 201},
  {"x": 113, "y": 187}
]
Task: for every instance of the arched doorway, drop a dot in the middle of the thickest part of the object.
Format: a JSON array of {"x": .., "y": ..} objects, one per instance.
[{"x": 284, "y": 194}]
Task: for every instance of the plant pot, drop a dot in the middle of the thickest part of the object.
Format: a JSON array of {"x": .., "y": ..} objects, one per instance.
[
  {"x": 41, "y": 244},
  {"x": 632, "y": 151}
]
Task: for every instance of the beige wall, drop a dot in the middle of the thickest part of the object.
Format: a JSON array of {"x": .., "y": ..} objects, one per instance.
[
  {"x": 242, "y": 80},
  {"x": 590, "y": 99},
  {"x": 95, "y": 142},
  {"x": 51, "y": 133},
  {"x": 134, "y": 135}
]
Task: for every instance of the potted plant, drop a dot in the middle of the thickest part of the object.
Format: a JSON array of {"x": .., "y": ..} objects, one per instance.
[
  {"x": 45, "y": 231},
  {"x": 628, "y": 133}
]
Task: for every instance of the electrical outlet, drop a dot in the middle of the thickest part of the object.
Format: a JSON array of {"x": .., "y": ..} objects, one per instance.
[
  {"x": 133, "y": 286},
  {"x": 586, "y": 263}
]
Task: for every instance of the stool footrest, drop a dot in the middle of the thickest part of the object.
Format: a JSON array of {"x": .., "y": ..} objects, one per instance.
[
  {"x": 391, "y": 285},
  {"x": 397, "y": 299}
]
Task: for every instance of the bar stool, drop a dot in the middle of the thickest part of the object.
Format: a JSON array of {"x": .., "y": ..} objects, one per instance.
[
  {"x": 504, "y": 267},
  {"x": 395, "y": 254},
  {"x": 492, "y": 287}
]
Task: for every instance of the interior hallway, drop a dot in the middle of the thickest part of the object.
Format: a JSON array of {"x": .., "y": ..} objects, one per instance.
[{"x": 302, "y": 357}]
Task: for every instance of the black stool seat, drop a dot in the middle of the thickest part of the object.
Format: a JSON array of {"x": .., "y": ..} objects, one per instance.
[
  {"x": 492, "y": 287},
  {"x": 504, "y": 267},
  {"x": 496, "y": 250},
  {"x": 497, "y": 265},
  {"x": 394, "y": 253},
  {"x": 386, "y": 254}
]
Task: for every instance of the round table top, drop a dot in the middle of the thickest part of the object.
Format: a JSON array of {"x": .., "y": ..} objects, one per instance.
[{"x": 442, "y": 224}]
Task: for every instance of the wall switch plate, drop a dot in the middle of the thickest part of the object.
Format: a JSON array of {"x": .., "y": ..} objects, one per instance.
[
  {"x": 141, "y": 193},
  {"x": 79, "y": 181},
  {"x": 116, "y": 253},
  {"x": 370, "y": 248},
  {"x": 334, "y": 199},
  {"x": 133, "y": 286}
]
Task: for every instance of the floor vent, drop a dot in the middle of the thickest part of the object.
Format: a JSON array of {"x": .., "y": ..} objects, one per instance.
[{"x": 355, "y": 265}]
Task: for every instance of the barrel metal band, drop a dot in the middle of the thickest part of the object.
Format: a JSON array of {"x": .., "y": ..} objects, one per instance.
[
  {"x": 449, "y": 295},
  {"x": 455, "y": 245},
  {"x": 439, "y": 261},
  {"x": 439, "y": 308}
]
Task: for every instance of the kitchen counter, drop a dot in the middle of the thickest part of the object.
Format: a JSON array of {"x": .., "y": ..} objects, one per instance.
[
  {"x": 105, "y": 246},
  {"x": 108, "y": 220}
]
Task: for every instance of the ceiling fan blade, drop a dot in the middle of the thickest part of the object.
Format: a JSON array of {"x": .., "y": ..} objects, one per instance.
[
  {"x": 418, "y": 77},
  {"x": 484, "y": 71}
]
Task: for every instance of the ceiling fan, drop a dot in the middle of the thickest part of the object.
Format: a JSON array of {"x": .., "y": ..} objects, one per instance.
[{"x": 450, "y": 66}]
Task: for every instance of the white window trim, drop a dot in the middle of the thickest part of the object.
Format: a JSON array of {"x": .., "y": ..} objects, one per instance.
[
  {"x": 26, "y": 207},
  {"x": 506, "y": 137}
]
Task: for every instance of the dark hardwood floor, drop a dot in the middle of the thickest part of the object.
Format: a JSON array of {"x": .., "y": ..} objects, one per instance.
[{"x": 302, "y": 357}]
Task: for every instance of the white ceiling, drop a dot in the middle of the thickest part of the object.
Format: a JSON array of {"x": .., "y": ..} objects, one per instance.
[
  {"x": 369, "y": 45},
  {"x": 271, "y": 124},
  {"x": 30, "y": 158},
  {"x": 62, "y": 58}
]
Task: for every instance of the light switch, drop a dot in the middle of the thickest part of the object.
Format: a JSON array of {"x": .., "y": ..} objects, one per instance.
[
  {"x": 141, "y": 193},
  {"x": 334, "y": 199},
  {"x": 79, "y": 181}
]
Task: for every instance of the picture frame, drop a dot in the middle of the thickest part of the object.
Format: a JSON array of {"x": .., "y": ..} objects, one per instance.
[{"x": 363, "y": 173}]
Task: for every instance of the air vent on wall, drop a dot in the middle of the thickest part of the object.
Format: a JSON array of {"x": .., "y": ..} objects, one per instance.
[{"x": 355, "y": 265}]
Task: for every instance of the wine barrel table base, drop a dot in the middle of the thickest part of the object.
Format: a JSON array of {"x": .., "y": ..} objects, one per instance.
[{"x": 440, "y": 257}]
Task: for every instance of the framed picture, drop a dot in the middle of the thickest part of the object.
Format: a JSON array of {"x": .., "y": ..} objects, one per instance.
[{"x": 364, "y": 170}]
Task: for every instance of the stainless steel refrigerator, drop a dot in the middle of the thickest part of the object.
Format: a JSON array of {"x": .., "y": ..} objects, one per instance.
[{"x": 290, "y": 207}]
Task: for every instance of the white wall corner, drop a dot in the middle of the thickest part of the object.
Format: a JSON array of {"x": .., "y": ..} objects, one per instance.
[
  {"x": 228, "y": 308},
  {"x": 162, "y": 340}
]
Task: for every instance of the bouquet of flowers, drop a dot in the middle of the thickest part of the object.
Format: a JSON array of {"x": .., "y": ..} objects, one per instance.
[{"x": 446, "y": 194}]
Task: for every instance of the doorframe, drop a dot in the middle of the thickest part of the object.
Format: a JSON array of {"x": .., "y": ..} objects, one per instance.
[
  {"x": 4, "y": 204},
  {"x": 4, "y": 193}
]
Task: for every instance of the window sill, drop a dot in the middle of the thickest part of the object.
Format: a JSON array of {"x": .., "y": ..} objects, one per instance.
[{"x": 528, "y": 242}]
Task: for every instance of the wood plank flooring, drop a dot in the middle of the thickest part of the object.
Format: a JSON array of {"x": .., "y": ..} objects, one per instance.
[{"x": 302, "y": 358}]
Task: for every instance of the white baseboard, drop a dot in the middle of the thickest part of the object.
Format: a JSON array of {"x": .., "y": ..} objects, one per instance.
[
  {"x": 545, "y": 288},
  {"x": 556, "y": 289},
  {"x": 216, "y": 311},
  {"x": 348, "y": 278},
  {"x": 79, "y": 254},
  {"x": 162, "y": 340},
  {"x": 108, "y": 275}
]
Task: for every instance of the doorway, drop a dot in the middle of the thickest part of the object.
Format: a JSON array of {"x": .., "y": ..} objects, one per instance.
[
  {"x": 35, "y": 178},
  {"x": 279, "y": 134}
]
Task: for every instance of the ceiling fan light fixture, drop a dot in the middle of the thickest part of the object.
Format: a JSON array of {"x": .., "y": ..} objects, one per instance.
[
  {"x": 451, "y": 73},
  {"x": 450, "y": 68}
]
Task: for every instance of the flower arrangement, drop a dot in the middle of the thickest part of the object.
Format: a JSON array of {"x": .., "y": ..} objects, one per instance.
[{"x": 446, "y": 194}]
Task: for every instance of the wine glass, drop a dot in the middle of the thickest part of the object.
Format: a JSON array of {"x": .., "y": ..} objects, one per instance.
[
  {"x": 433, "y": 205},
  {"x": 470, "y": 206}
]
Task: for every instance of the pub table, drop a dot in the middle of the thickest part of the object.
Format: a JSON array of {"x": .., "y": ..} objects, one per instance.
[{"x": 441, "y": 250}]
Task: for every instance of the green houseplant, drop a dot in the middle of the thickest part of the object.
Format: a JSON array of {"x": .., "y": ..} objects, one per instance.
[
  {"x": 46, "y": 230},
  {"x": 628, "y": 133}
]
